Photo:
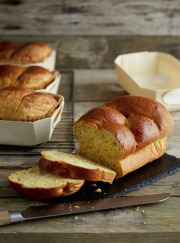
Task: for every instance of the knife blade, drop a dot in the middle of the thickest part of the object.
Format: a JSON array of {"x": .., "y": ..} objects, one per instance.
[{"x": 45, "y": 211}]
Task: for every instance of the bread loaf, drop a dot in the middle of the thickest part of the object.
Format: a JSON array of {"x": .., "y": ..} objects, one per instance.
[
  {"x": 32, "y": 77},
  {"x": 31, "y": 52},
  {"x": 124, "y": 134},
  {"x": 20, "y": 104},
  {"x": 37, "y": 184},
  {"x": 74, "y": 166}
]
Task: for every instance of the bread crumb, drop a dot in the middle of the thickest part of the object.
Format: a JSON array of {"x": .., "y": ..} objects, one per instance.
[
  {"x": 144, "y": 223},
  {"x": 76, "y": 206},
  {"x": 137, "y": 208},
  {"x": 98, "y": 190},
  {"x": 76, "y": 217},
  {"x": 94, "y": 184},
  {"x": 143, "y": 211},
  {"x": 92, "y": 207}
]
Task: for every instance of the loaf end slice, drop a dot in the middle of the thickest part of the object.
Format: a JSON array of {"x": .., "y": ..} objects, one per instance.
[
  {"x": 75, "y": 166},
  {"x": 36, "y": 184}
]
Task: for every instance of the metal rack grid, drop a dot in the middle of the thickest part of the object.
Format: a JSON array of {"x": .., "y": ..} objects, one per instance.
[{"x": 62, "y": 138}]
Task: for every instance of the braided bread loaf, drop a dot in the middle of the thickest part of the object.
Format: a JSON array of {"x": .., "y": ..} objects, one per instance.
[
  {"x": 31, "y": 52},
  {"x": 32, "y": 77},
  {"x": 125, "y": 133},
  {"x": 20, "y": 104}
]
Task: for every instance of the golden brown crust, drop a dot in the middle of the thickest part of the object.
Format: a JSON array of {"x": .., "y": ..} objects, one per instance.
[
  {"x": 139, "y": 124},
  {"x": 141, "y": 157},
  {"x": 20, "y": 104},
  {"x": 142, "y": 106},
  {"x": 31, "y": 52},
  {"x": 73, "y": 171},
  {"x": 7, "y": 48},
  {"x": 38, "y": 193},
  {"x": 32, "y": 77},
  {"x": 100, "y": 115},
  {"x": 10, "y": 98},
  {"x": 123, "y": 135},
  {"x": 72, "y": 187},
  {"x": 107, "y": 118},
  {"x": 144, "y": 129}
]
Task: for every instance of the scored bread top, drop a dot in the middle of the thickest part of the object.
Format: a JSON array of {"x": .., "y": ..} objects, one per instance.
[
  {"x": 37, "y": 184},
  {"x": 31, "y": 52},
  {"x": 74, "y": 166},
  {"x": 20, "y": 104},
  {"x": 32, "y": 77}
]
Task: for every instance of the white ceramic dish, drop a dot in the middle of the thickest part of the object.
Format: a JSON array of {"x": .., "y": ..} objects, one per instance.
[{"x": 151, "y": 74}]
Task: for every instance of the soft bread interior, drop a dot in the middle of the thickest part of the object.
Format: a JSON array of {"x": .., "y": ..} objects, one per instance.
[
  {"x": 98, "y": 145},
  {"x": 72, "y": 159},
  {"x": 36, "y": 178},
  {"x": 74, "y": 166},
  {"x": 104, "y": 148}
]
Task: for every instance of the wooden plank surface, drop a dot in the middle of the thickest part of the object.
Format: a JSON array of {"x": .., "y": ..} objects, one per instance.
[
  {"x": 114, "y": 221},
  {"x": 91, "y": 17},
  {"x": 151, "y": 223},
  {"x": 99, "y": 52},
  {"x": 89, "y": 35}
]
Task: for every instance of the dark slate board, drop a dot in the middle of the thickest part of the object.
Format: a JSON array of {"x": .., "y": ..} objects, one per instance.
[{"x": 149, "y": 173}]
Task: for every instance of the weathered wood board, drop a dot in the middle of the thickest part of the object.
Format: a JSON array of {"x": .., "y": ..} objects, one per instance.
[
  {"x": 89, "y": 35},
  {"x": 90, "y": 18},
  {"x": 99, "y": 52},
  {"x": 151, "y": 223}
]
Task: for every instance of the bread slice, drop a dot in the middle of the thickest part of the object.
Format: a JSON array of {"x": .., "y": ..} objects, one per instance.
[
  {"x": 36, "y": 184},
  {"x": 75, "y": 166},
  {"x": 101, "y": 145}
]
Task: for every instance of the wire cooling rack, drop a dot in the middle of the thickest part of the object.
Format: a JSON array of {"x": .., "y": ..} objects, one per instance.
[{"x": 62, "y": 138}]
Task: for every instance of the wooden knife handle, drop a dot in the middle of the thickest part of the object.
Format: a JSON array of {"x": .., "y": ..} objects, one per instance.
[{"x": 4, "y": 218}]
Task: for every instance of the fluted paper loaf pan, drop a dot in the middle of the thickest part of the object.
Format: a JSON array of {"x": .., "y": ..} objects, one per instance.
[
  {"x": 154, "y": 75},
  {"x": 53, "y": 86},
  {"x": 48, "y": 63},
  {"x": 24, "y": 133}
]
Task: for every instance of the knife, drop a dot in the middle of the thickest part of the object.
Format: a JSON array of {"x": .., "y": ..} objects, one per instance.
[{"x": 37, "y": 212}]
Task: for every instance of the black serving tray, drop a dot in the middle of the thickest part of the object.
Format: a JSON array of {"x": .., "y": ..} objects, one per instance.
[{"x": 147, "y": 174}]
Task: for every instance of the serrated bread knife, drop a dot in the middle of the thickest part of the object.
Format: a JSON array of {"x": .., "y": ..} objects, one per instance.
[{"x": 37, "y": 212}]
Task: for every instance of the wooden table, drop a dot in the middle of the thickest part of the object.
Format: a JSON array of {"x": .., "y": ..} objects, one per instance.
[{"x": 150, "y": 223}]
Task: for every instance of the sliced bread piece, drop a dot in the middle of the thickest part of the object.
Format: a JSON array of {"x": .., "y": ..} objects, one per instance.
[
  {"x": 37, "y": 184},
  {"x": 75, "y": 166}
]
